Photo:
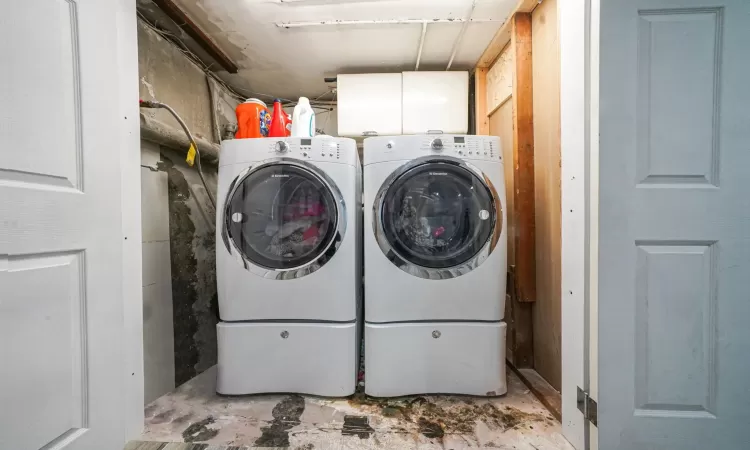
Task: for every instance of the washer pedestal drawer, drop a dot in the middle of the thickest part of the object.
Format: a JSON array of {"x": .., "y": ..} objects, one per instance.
[
  {"x": 309, "y": 358},
  {"x": 435, "y": 358}
]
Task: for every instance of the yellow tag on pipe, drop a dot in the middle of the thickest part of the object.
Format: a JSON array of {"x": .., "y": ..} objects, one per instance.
[{"x": 191, "y": 155}]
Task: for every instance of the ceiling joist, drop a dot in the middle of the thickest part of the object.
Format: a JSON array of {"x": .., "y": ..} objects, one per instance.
[
  {"x": 502, "y": 37},
  {"x": 193, "y": 30}
]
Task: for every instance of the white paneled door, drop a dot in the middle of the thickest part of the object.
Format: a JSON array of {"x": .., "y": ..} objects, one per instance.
[
  {"x": 67, "y": 375},
  {"x": 674, "y": 248}
]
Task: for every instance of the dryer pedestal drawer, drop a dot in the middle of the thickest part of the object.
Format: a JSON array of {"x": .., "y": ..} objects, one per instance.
[
  {"x": 435, "y": 358},
  {"x": 308, "y": 358}
]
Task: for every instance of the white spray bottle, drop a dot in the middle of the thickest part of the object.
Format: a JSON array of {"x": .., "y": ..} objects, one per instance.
[{"x": 303, "y": 119}]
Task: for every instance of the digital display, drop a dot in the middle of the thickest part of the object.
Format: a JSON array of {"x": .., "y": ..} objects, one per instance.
[
  {"x": 305, "y": 141},
  {"x": 458, "y": 140}
]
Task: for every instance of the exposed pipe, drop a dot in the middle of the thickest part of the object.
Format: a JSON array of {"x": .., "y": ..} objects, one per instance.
[
  {"x": 461, "y": 34},
  {"x": 168, "y": 135},
  {"x": 155, "y": 104},
  {"x": 380, "y": 22},
  {"x": 421, "y": 45},
  {"x": 213, "y": 99}
]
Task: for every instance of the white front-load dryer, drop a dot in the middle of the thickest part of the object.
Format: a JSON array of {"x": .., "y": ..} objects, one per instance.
[
  {"x": 435, "y": 265},
  {"x": 288, "y": 263}
]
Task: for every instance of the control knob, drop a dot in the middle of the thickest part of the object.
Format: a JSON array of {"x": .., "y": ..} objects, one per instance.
[{"x": 281, "y": 147}]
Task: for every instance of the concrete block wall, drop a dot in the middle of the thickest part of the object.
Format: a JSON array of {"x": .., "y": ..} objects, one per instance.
[
  {"x": 193, "y": 265},
  {"x": 179, "y": 269},
  {"x": 158, "y": 329},
  {"x": 168, "y": 76}
]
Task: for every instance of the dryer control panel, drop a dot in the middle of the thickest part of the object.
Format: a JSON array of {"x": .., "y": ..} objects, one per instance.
[
  {"x": 384, "y": 148},
  {"x": 463, "y": 147},
  {"x": 318, "y": 149}
]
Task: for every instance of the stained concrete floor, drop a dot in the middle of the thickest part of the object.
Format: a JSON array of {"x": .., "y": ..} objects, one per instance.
[{"x": 194, "y": 413}]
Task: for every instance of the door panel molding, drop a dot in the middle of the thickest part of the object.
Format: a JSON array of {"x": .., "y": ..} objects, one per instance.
[{"x": 667, "y": 79}]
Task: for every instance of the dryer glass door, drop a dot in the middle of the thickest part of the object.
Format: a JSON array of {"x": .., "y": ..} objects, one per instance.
[
  {"x": 438, "y": 215},
  {"x": 281, "y": 216}
]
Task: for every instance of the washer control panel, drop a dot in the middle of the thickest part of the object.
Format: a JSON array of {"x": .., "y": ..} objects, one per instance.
[
  {"x": 465, "y": 147},
  {"x": 319, "y": 149}
]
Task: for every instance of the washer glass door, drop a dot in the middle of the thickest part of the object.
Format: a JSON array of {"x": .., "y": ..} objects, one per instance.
[
  {"x": 437, "y": 214},
  {"x": 282, "y": 216}
]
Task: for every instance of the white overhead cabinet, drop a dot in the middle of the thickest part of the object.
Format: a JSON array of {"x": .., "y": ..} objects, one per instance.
[
  {"x": 369, "y": 104},
  {"x": 403, "y": 103},
  {"x": 435, "y": 101}
]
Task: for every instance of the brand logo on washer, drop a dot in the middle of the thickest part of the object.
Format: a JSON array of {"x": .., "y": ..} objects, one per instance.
[
  {"x": 279, "y": 175},
  {"x": 438, "y": 173}
]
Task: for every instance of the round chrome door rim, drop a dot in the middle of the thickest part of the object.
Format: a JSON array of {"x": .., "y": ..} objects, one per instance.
[
  {"x": 430, "y": 272},
  {"x": 299, "y": 271}
]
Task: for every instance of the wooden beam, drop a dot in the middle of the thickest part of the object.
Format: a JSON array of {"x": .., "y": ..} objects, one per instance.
[
  {"x": 502, "y": 36},
  {"x": 523, "y": 158},
  {"x": 193, "y": 30},
  {"x": 518, "y": 316},
  {"x": 480, "y": 102},
  {"x": 547, "y": 395}
]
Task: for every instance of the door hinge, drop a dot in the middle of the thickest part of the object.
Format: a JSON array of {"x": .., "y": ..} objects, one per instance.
[{"x": 587, "y": 406}]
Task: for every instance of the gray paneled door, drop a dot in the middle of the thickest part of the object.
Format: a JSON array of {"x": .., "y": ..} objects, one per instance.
[
  {"x": 64, "y": 346},
  {"x": 674, "y": 249}
]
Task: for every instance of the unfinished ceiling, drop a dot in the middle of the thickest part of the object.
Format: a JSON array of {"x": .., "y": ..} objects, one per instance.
[{"x": 285, "y": 48}]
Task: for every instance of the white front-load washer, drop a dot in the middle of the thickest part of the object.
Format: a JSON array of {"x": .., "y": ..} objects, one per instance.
[
  {"x": 435, "y": 265},
  {"x": 288, "y": 266}
]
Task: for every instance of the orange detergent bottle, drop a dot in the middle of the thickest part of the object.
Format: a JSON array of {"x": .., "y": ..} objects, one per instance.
[{"x": 253, "y": 119}]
